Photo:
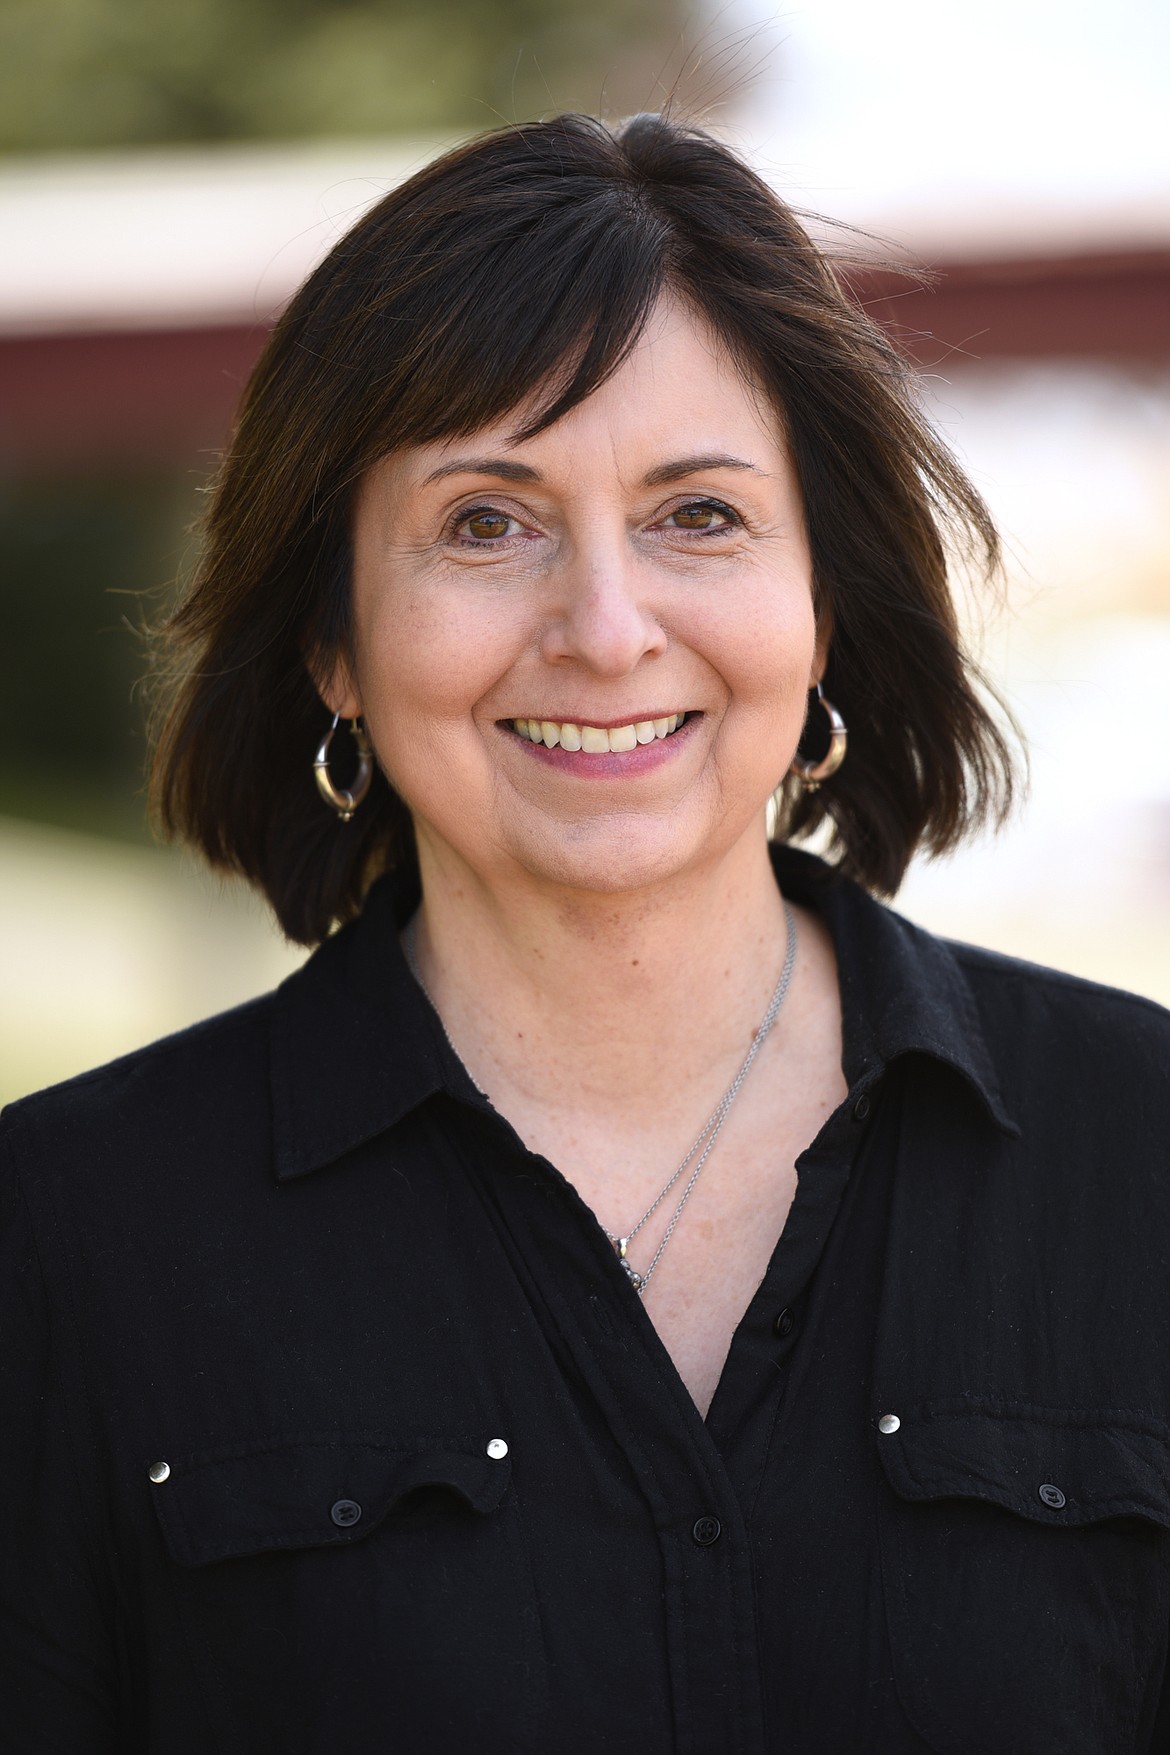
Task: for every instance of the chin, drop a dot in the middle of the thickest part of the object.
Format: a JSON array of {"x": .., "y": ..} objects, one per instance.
[{"x": 615, "y": 858}]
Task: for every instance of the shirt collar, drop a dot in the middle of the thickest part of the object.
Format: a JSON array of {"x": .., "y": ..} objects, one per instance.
[
  {"x": 354, "y": 1043},
  {"x": 355, "y": 1046},
  {"x": 903, "y": 991}
]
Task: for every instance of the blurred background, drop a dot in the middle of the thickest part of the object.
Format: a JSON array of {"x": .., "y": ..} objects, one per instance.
[{"x": 167, "y": 176}]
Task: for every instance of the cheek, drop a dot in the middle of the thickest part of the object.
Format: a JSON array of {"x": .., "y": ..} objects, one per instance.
[
  {"x": 770, "y": 652},
  {"x": 424, "y": 662}
]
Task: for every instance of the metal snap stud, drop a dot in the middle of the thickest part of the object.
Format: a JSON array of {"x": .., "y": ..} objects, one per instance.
[
  {"x": 159, "y": 1472},
  {"x": 497, "y": 1449},
  {"x": 889, "y": 1423}
]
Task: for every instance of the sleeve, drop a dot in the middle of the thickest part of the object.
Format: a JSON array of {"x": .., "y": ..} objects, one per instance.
[{"x": 57, "y": 1669}]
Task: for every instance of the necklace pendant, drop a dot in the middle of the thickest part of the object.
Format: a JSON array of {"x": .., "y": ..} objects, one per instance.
[{"x": 620, "y": 1246}]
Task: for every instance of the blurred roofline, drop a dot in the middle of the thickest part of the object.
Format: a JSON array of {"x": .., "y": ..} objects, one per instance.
[
  {"x": 175, "y": 237},
  {"x": 221, "y": 236}
]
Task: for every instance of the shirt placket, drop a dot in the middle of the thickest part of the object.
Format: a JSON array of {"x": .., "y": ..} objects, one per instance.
[
  {"x": 772, "y": 1328},
  {"x": 698, "y": 1523}
]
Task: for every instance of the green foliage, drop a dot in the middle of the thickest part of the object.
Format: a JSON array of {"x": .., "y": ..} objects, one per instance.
[
  {"x": 83, "y": 562},
  {"x": 104, "y": 73}
]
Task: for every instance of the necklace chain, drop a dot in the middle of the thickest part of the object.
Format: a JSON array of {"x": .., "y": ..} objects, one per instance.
[{"x": 708, "y": 1133}]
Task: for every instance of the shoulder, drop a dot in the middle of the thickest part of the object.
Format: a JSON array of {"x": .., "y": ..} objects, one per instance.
[
  {"x": 203, "y": 1079},
  {"x": 1017, "y": 999},
  {"x": 1082, "y": 1069}
]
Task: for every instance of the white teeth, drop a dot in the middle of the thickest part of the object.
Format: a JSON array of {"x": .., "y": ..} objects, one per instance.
[{"x": 595, "y": 740}]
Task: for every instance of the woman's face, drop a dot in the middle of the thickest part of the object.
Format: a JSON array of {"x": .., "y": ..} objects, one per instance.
[{"x": 631, "y": 589}]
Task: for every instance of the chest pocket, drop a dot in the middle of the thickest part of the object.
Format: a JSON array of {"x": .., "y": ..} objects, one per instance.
[
  {"x": 1025, "y": 1567},
  {"x": 345, "y": 1592}
]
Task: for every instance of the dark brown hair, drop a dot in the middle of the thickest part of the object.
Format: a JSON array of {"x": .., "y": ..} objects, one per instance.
[{"x": 523, "y": 265}]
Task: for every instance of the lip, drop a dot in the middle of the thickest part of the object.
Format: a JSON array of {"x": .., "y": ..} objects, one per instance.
[{"x": 618, "y": 764}]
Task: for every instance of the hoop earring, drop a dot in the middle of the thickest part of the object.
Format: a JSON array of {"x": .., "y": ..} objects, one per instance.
[
  {"x": 344, "y": 800},
  {"x": 810, "y": 774}
]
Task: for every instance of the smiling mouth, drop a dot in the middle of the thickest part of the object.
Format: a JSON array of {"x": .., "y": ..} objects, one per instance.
[{"x": 596, "y": 740}]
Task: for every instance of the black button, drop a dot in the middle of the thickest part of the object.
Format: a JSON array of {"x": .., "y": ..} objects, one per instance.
[
  {"x": 784, "y": 1324},
  {"x": 861, "y": 1108},
  {"x": 707, "y": 1530},
  {"x": 345, "y": 1513},
  {"x": 1052, "y": 1495}
]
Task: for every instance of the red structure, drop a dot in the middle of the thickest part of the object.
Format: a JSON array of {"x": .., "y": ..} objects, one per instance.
[
  {"x": 76, "y": 396},
  {"x": 1112, "y": 305}
]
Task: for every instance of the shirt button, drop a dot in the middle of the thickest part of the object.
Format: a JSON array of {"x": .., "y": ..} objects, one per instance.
[
  {"x": 1051, "y": 1495},
  {"x": 706, "y": 1531},
  {"x": 345, "y": 1513},
  {"x": 159, "y": 1472},
  {"x": 889, "y": 1423},
  {"x": 497, "y": 1449},
  {"x": 861, "y": 1109},
  {"x": 784, "y": 1324}
]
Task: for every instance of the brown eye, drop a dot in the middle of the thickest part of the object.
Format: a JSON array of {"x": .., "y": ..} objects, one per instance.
[
  {"x": 701, "y": 515},
  {"x": 484, "y": 526}
]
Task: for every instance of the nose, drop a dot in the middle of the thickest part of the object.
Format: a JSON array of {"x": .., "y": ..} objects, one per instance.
[{"x": 601, "y": 618}]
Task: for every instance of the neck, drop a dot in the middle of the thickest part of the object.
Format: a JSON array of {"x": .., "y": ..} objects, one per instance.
[{"x": 580, "y": 998}]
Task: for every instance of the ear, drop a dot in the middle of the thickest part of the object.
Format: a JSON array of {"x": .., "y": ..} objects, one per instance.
[
  {"x": 336, "y": 684},
  {"x": 821, "y": 649}
]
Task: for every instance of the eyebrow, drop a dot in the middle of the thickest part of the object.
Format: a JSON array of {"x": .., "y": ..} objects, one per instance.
[
  {"x": 684, "y": 466},
  {"x": 504, "y": 468}
]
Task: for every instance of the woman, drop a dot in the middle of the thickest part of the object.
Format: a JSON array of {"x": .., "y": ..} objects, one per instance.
[{"x": 382, "y": 1375}]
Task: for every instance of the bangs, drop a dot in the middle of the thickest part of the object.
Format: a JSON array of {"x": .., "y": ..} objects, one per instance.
[{"x": 476, "y": 308}]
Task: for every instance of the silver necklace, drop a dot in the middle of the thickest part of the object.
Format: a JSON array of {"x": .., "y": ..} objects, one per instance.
[
  {"x": 710, "y": 1130},
  {"x": 708, "y": 1134}
]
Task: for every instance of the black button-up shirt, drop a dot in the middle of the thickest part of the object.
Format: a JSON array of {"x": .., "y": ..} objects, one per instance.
[{"x": 331, "y": 1422}]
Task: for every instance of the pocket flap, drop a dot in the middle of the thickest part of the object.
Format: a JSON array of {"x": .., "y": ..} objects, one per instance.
[
  {"x": 1055, "y": 1466},
  {"x": 311, "y": 1492}
]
